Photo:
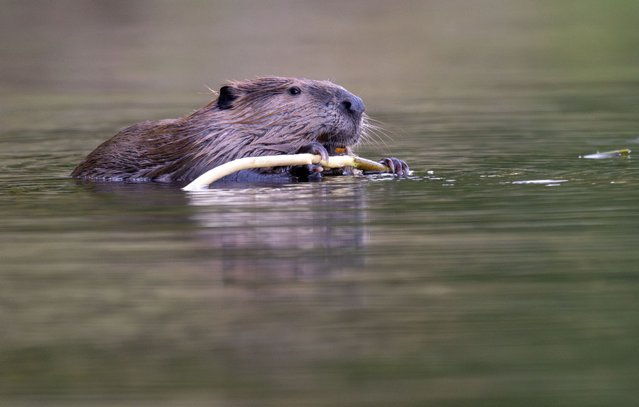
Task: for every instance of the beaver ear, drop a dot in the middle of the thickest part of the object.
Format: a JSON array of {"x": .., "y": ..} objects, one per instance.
[{"x": 227, "y": 95}]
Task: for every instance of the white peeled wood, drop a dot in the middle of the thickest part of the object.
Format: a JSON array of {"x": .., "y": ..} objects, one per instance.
[{"x": 203, "y": 181}]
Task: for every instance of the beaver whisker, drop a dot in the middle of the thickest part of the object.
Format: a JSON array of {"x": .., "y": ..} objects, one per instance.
[
  {"x": 376, "y": 132},
  {"x": 374, "y": 136},
  {"x": 376, "y": 126},
  {"x": 379, "y": 144}
]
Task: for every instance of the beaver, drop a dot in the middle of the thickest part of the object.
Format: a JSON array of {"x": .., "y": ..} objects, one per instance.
[{"x": 263, "y": 116}]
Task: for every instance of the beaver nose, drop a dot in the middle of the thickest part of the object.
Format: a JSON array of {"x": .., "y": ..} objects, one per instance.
[{"x": 353, "y": 104}]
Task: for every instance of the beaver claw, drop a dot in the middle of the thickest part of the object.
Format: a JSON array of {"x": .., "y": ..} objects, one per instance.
[
  {"x": 311, "y": 172},
  {"x": 396, "y": 166}
]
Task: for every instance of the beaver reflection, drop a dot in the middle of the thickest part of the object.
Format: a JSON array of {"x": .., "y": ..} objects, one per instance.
[
  {"x": 298, "y": 231},
  {"x": 250, "y": 234}
]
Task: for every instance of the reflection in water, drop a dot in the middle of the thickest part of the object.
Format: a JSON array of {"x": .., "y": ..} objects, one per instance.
[
  {"x": 297, "y": 231},
  {"x": 305, "y": 231}
]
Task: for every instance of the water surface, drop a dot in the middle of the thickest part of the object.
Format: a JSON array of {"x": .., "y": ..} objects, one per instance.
[{"x": 471, "y": 283}]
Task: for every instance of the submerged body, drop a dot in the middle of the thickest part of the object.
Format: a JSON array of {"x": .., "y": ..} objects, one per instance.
[{"x": 265, "y": 116}]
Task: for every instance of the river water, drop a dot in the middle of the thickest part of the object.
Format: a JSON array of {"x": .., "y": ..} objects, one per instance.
[{"x": 503, "y": 272}]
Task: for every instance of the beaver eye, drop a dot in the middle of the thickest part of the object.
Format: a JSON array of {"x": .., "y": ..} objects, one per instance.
[{"x": 294, "y": 90}]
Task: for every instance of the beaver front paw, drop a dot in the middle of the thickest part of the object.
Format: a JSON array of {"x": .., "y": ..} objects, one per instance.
[
  {"x": 396, "y": 166},
  {"x": 310, "y": 172}
]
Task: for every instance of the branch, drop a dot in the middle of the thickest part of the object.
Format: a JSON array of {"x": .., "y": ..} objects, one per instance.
[{"x": 337, "y": 161}]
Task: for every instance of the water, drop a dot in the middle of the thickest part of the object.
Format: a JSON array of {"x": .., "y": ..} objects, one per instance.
[{"x": 504, "y": 272}]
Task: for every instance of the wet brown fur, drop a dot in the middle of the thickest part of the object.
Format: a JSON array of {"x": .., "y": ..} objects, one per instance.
[{"x": 249, "y": 118}]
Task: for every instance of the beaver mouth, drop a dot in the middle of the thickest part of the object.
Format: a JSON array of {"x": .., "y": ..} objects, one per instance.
[
  {"x": 336, "y": 145},
  {"x": 337, "y": 149}
]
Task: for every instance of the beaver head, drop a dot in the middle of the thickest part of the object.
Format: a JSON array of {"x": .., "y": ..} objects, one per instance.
[{"x": 303, "y": 109}]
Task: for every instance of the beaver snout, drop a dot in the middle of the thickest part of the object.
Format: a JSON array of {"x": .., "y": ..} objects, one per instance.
[{"x": 352, "y": 104}]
